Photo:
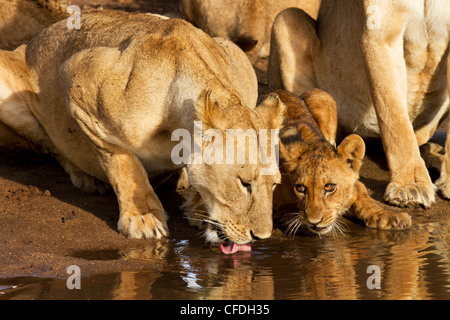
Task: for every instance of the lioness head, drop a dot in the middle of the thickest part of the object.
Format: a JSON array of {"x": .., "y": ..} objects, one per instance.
[
  {"x": 320, "y": 176},
  {"x": 230, "y": 194}
]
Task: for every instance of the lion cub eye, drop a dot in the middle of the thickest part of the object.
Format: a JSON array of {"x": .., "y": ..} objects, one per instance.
[
  {"x": 330, "y": 187},
  {"x": 300, "y": 188}
]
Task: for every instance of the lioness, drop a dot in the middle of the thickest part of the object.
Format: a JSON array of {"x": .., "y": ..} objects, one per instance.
[
  {"x": 247, "y": 23},
  {"x": 105, "y": 100},
  {"x": 321, "y": 182},
  {"x": 385, "y": 63}
]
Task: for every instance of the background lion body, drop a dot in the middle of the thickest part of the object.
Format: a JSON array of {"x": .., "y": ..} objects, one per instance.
[
  {"x": 247, "y": 23},
  {"x": 20, "y": 20}
]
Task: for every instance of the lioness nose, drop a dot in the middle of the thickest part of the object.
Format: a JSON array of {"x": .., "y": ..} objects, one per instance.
[{"x": 259, "y": 236}]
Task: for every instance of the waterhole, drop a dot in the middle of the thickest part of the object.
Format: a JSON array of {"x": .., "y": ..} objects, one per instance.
[{"x": 411, "y": 264}]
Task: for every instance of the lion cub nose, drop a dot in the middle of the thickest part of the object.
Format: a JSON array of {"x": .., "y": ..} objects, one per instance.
[{"x": 315, "y": 221}]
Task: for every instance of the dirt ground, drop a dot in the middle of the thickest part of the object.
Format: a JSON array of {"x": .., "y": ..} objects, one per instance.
[{"x": 45, "y": 221}]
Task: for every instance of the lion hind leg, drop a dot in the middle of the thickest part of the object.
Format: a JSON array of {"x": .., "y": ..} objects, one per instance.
[
  {"x": 81, "y": 179},
  {"x": 24, "y": 129},
  {"x": 12, "y": 143},
  {"x": 19, "y": 128},
  {"x": 293, "y": 48}
]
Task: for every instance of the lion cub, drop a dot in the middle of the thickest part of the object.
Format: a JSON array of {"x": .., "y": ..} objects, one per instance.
[{"x": 321, "y": 181}]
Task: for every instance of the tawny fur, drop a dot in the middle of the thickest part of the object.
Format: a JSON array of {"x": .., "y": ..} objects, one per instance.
[
  {"x": 105, "y": 100},
  {"x": 321, "y": 182},
  {"x": 385, "y": 63},
  {"x": 20, "y": 20},
  {"x": 247, "y": 23}
]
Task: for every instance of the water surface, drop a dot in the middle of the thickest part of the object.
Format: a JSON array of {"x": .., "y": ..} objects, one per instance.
[{"x": 413, "y": 264}]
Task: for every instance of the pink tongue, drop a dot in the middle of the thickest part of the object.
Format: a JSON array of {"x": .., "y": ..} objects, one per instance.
[{"x": 232, "y": 247}]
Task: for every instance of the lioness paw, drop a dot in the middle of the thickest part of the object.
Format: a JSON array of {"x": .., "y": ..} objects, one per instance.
[
  {"x": 142, "y": 226},
  {"x": 412, "y": 195},
  {"x": 390, "y": 221}
]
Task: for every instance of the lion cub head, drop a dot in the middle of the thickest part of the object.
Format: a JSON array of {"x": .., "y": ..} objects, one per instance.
[
  {"x": 230, "y": 191},
  {"x": 320, "y": 178}
]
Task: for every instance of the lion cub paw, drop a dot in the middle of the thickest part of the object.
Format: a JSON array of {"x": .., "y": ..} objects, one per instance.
[
  {"x": 142, "y": 226},
  {"x": 443, "y": 186},
  {"x": 410, "y": 195},
  {"x": 389, "y": 221}
]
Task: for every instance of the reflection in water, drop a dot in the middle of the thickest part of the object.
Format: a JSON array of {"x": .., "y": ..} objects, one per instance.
[{"x": 413, "y": 265}]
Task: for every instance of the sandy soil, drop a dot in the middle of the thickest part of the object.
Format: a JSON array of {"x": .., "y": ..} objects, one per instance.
[{"x": 45, "y": 220}]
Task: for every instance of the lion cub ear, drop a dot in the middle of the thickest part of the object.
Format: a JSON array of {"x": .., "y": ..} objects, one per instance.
[
  {"x": 208, "y": 110},
  {"x": 352, "y": 150},
  {"x": 324, "y": 110},
  {"x": 271, "y": 110}
]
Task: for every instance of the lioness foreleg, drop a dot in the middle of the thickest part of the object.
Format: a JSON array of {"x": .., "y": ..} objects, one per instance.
[
  {"x": 368, "y": 211},
  {"x": 141, "y": 212},
  {"x": 384, "y": 61}
]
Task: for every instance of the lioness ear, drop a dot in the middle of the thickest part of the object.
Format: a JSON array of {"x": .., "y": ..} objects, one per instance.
[
  {"x": 323, "y": 109},
  {"x": 271, "y": 110},
  {"x": 208, "y": 111},
  {"x": 352, "y": 150}
]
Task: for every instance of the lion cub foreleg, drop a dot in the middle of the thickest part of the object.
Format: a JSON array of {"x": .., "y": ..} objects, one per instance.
[
  {"x": 443, "y": 183},
  {"x": 141, "y": 212},
  {"x": 367, "y": 210}
]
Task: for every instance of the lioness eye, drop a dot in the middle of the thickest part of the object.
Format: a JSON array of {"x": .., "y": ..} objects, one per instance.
[
  {"x": 300, "y": 188},
  {"x": 330, "y": 187},
  {"x": 246, "y": 185}
]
